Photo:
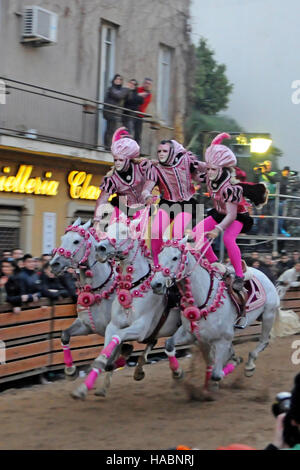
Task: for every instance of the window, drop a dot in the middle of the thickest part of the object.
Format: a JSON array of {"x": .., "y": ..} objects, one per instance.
[
  {"x": 107, "y": 67},
  {"x": 164, "y": 83}
]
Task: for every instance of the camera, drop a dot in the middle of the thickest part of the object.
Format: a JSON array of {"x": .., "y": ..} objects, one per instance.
[
  {"x": 259, "y": 168},
  {"x": 282, "y": 403}
]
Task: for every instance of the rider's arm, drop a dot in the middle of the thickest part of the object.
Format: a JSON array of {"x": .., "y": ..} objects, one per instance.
[{"x": 231, "y": 213}]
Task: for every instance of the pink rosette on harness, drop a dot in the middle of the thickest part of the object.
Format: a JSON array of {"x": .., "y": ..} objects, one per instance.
[
  {"x": 219, "y": 155},
  {"x": 125, "y": 298},
  {"x": 86, "y": 299},
  {"x": 192, "y": 313}
]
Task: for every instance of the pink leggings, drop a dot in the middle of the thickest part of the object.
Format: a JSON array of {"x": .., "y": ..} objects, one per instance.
[
  {"x": 229, "y": 238},
  {"x": 159, "y": 225}
]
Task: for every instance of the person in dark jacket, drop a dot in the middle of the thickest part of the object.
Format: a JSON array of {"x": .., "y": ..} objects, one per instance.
[
  {"x": 68, "y": 281},
  {"x": 51, "y": 286},
  {"x": 132, "y": 101},
  {"x": 115, "y": 95},
  {"x": 30, "y": 283},
  {"x": 13, "y": 289}
]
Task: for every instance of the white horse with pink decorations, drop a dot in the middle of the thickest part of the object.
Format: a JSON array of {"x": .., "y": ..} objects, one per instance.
[
  {"x": 208, "y": 313},
  {"x": 136, "y": 311}
]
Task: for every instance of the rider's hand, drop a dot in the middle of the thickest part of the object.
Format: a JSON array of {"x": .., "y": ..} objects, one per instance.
[
  {"x": 149, "y": 200},
  {"x": 213, "y": 234}
]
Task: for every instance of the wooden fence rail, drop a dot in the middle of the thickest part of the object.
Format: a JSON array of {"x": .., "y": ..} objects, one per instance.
[{"x": 30, "y": 340}]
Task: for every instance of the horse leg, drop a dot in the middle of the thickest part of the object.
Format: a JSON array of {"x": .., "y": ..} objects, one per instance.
[
  {"x": 222, "y": 353},
  {"x": 267, "y": 323},
  {"x": 76, "y": 329},
  {"x": 181, "y": 336},
  {"x": 113, "y": 338},
  {"x": 139, "y": 373}
]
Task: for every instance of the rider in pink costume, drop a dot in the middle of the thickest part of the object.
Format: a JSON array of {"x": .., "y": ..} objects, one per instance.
[
  {"x": 230, "y": 214},
  {"x": 173, "y": 174},
  {"x": 127, "y": 179}
]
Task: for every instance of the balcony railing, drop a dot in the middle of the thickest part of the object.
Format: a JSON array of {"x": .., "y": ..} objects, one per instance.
[{"x": 40, "y": 113}]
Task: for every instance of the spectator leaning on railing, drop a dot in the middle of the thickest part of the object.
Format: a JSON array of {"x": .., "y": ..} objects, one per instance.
[
  {"x": 50, "y": 284},
  {"x": 6, "y": 270},
  {"x": 114, "y": 95},
  {"x": 30, "y": 283}
]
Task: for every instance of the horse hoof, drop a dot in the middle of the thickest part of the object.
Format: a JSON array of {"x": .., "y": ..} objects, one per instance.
[
  {"x": 178, "y": 374},
  {"x": 139, "y": 376},
  {"x": 237, "y": 360},
  {"x": 249, "y": 372},
  {"x": 100, "y": 393},
  {"x": 216, "y": 378},
  {"x": 71, "y": 373},
  {"x": 80, "y": 393}
]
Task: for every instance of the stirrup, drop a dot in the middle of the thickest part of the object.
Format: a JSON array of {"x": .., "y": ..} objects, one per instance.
[{"x": 241, "y": 325}]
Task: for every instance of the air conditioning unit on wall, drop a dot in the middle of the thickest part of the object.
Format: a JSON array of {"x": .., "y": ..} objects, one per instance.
[{"x": 39, "y": 26}]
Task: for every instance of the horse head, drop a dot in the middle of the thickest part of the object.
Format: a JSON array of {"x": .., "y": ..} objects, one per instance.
[
  {"x": 77, "y": 244},
  {"x": 172, "y": 265},
  {"x": 121, "y": 236}
]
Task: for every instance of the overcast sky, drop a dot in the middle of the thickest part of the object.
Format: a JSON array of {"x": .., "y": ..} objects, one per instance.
[{"x": 258, "y": 41}]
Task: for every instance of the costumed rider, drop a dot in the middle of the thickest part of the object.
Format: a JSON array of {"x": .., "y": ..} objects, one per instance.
[
  {"x": 173, "y": 173},
  {"x": 230, "y": 215},
  {"x": 127, "y": 180}
]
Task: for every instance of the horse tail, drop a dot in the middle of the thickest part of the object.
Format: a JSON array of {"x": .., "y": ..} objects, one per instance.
[{"x": 286, "y": 323}]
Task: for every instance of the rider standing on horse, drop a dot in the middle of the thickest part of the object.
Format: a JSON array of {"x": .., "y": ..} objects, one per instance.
[
  {"x": 230, "y": 214},
  {"x": 127, "y": 179},
  {"x": 173, "y": 173}
]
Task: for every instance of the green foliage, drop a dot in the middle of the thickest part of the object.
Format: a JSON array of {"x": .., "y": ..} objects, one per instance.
[
  {"x": 211, "y": 89},
  {"x": 202, "y": 128}
]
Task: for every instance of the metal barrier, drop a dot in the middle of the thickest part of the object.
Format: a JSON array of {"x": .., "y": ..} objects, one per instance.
[{"x": 40, "y": 113}]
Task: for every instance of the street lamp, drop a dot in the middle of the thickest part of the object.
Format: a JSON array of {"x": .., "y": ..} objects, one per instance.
[{"x": 260, "y": 145}]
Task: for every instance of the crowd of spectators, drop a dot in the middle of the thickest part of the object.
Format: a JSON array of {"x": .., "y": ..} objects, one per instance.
[
  {"x": 132, "y": 97},
  {"x": 25, "y": 279},
  {"x": 289, "y": 185},
  {"x": 274, "y": 265}
]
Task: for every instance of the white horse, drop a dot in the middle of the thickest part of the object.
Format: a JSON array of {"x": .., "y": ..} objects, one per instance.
[
  {"x": 97, "y": 282},
  {"x": 213, "y": 329},
  {"x": 136, "y": 311}
]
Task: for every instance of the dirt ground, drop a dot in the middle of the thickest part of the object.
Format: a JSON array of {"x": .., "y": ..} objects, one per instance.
[{"x": 153, "y": 413}]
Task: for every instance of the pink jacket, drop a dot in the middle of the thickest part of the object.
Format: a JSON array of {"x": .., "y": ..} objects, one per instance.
[
  {"x": 132, "y": 192},
  {"x": 175, "y": 182}
]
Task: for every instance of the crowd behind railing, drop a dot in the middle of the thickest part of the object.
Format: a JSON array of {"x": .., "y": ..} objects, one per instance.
[{"x": 25, "y": 279}]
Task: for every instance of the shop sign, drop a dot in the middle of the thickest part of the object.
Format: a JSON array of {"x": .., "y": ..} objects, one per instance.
[
  {"x": 80, "y": 187},
  {"x": 23, "y": 183}
]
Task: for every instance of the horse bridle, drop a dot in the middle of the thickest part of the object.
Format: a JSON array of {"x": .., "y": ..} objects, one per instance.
[{"x": 85, "y": 234}]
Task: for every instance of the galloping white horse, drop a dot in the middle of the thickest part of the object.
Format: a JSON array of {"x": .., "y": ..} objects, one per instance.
[
  {"x": 97, "y": 280},
  {"x": 136, "y": 311},
  {"x": 212, "y": 324}
]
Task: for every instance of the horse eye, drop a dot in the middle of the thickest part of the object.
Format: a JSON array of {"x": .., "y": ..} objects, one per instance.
[
  {"x": 175, "y": 258},
  {"x": 76, "y": 242}
]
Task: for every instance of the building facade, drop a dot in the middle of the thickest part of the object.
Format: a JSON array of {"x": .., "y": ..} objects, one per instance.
[{"x": 52, "y": 87}]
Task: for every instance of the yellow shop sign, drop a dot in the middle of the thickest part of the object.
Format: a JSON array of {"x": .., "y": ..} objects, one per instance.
[
  {"x": 80, "y": 187},
  {"x": 23, "y": 183}
]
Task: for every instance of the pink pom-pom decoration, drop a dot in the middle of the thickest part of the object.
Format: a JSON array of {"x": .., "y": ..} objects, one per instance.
[
  {"x": 86, "y": 299},
  {"x": 87, "y": 288},
  {"x": 125, "y": 298},
  {"x": 192, "y": 313},
  {"x": 130, "y": 269},
  {"x": 88, "y": 273}
]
